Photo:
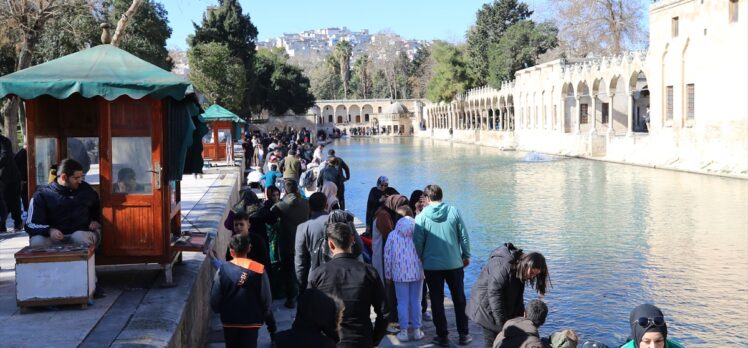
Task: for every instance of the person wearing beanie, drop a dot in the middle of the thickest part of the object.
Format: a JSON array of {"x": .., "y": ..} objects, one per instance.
[{"x": 649, "y": 329}]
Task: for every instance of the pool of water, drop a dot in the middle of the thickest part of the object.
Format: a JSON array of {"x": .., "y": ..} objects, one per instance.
[{"x": 614, "y": 235}]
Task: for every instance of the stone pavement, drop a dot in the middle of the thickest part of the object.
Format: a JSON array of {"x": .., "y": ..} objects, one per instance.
[{"x": 136, "y": 309}]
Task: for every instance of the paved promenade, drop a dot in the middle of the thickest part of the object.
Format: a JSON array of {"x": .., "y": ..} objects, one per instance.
[{"x": 136, "y": 309}]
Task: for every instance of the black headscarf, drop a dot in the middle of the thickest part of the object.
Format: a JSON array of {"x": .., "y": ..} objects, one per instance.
[
  {"x": 645, "y": 311},
  {"x": 414, "y": 197}
]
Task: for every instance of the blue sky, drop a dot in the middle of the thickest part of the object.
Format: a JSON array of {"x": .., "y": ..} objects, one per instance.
[{"x": 413, "y": 19}]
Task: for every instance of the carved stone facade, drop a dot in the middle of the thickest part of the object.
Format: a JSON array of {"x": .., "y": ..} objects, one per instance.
[
  {"x": 388, "y": 116},
  {"x": 693, "y": 78}
]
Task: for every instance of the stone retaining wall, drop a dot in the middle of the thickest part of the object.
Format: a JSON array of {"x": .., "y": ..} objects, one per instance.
[{"x": 179, "y": 316}]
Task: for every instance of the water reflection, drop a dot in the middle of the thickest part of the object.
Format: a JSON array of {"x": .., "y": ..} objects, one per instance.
[{"x": 614, "y": 235}]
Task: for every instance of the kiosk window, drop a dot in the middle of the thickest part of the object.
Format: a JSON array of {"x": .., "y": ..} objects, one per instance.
[
  {"x": 208, "y": 138},
  {"x": 46, "y": 156},
  {"x": 85, "y": 150},
  {"x": 223, "y": 135},
  {"x": 131, "y": 165}
]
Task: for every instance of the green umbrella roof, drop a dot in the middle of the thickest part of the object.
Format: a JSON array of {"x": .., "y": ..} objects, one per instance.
[
  {"x": 217, "y": 113},
  {"x": 103, "y": 70}
]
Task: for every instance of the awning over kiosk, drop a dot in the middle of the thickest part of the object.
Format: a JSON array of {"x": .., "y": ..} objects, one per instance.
[{"x": 104, "y": 70}]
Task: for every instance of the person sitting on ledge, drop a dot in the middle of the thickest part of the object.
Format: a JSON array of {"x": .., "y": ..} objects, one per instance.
[{"x": 67, "y": 210}]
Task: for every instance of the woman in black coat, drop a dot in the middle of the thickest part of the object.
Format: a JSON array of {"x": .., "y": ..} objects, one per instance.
[{"x": 498, "y": 294}]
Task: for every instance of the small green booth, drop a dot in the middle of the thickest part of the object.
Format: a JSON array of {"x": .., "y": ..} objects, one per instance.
[
  {"x": 119, "y": 116},
  {"x": 225, "y": 127}
]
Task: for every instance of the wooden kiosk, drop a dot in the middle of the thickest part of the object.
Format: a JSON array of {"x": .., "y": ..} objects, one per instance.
[
  {"x": 218, "y": 144},
  {"x": 130, "y": 125}
]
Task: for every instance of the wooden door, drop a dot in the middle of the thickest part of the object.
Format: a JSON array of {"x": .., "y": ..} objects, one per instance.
[{"x": 131, "y": 182}]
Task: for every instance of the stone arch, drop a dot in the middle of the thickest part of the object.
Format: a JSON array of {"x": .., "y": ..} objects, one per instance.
[
  {"x": 584, "y": 101},
  {"x": 367, "y": 110},
  {"x": 354, "y": 112},
  {"x": 569, "y": 105},
  {"x": 602, "y": 104},
  {"x": 341, "y": 114},
  {"x": 619, "y": 98},
  {"x": 639, "y": 89}
]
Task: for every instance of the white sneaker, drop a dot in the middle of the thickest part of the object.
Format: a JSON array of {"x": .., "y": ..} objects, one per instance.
[
  {"x": 403, "y": 336},
  {"x": 418, "y": 334},
  {"x": 427, "y": 316}
]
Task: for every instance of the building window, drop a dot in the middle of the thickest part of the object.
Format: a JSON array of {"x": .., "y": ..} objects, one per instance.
[
  {"x": 733, "y": 11},
  {"x": 379, "y": 110},
  {"x": 669, "y": 102},
  {"x": 582, "y": 113},
  {"x": 366, "y": 117},
  {"x": 690, "y": 103},
  {"x": 555, "y": 116},
  {"x": 329, "y": 118},
  {"x": 675, "y": 26},
  {"x": 604, "y": 112}
]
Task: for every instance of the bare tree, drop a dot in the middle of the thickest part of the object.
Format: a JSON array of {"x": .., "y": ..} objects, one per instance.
[
  {"x": 26, "y": 18},
  {"x": 122, "y": 23},
  {"x": 599, "y": 27}
]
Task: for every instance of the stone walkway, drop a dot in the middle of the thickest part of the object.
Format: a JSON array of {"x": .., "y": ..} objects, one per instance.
[{"x": 136, "y": 309}]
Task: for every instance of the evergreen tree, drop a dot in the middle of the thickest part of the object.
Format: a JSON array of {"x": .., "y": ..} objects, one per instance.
[
  {"x": 519, "y": 48},
  {"x": 492, "y": 20},
  {"x": 279, "y": 85},
  {"x": 218, "y": 75},
  {"x": 227, "y": 24},
  {"x": 450, "y": 72}
]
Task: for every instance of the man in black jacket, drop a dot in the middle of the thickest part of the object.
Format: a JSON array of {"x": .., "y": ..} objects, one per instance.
[
  {"x": 308, "y": 238},
  {"x": 345, "y": 174},
  {"x": 65, "y": 210},
  {"x": 358, "y": 285},
  {"x": 10, "y": 180},
  {"x": 292, "y": 210}
]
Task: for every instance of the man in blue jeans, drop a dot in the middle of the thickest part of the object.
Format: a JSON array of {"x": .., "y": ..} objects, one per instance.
[{"x": 443, "y": 244}]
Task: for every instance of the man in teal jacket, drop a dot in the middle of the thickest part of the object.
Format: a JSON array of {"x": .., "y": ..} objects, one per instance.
[{"x": 443, "y": 245}]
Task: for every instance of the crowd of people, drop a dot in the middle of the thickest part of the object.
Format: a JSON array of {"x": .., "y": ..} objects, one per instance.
[
  {"x": 307, "y": 251},
  {"x": 412, "y": 246}
]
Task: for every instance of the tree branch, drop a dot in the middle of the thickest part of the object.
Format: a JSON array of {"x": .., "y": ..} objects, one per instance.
[{"x": 122, "y": 24}]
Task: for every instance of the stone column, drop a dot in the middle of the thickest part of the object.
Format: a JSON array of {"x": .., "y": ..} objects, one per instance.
[
  {"x": 578, "y": 99},
  {"x": 610, "y": 113},
  {"x": 630, "y": 114},
  {"x": 562, "y": 115},
  {"x": 493, "y": 112},
  {"x": 592, "y": 119}
]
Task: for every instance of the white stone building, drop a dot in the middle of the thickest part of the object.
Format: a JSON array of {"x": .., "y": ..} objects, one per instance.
[
  {"x": 693, "y": 77},
  {"x": 392, "y": 117}
]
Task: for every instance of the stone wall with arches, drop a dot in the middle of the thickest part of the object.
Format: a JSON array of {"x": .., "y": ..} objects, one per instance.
[
  {"x": 680, "y": 104},
  {"x": 369, "y": 113}
]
